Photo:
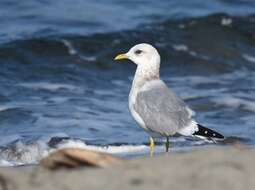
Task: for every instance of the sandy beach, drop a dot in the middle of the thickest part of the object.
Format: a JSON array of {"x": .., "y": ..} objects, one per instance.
[{"x": 224, "y": 168}]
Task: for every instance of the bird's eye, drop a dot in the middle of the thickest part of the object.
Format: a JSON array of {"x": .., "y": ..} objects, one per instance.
[{"x": 137, "y": 52}]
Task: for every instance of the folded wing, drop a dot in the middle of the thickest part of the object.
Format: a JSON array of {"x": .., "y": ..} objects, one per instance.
[{"x": 161, "y": 109}]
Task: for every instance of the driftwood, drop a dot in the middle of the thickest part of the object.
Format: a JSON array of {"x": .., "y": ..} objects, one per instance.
[{"x": 76, "y": 157}]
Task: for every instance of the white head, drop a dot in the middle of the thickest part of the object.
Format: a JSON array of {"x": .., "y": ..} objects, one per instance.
[
  {"x": 142, "y": 54},
  {"x": 145, "y": 56}
]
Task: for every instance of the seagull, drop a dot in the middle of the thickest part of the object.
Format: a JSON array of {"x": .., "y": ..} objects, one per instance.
[{"x": 154, "y": 106}]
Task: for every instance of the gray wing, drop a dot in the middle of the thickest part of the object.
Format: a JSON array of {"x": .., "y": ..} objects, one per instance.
[{"x": 161, "y": 109}]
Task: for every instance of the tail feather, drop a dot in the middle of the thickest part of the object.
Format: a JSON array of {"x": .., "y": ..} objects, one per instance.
[{"x": 206, "y": 132}]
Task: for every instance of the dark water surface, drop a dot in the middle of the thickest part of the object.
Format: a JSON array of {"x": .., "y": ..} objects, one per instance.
[{"x": 59, "y": 85}]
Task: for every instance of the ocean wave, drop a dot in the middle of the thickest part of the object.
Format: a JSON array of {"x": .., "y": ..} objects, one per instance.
[
  {"x": 49, "y": 86},
  {"x": 20, "y": 152},
  {"x": 65, "y": 22},
  {"x": 249, "y": 58},
  {"x": 98, "y": 49},
  {"x": 234, "y": 102},
  {"x": 5, "y": 108}
]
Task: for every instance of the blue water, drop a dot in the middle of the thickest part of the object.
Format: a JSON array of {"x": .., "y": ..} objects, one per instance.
[{"x": 59, "y": 85}]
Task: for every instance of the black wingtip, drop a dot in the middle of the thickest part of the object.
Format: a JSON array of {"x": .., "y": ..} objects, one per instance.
[{"x": 209, "y": 133}]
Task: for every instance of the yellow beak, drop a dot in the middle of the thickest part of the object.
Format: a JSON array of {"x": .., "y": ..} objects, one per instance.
[{"x": 121, "y": 56}]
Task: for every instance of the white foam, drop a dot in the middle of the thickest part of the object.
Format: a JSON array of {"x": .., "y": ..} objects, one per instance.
[
  {"x": 21, "y": 153},
  {"x": 73, "y": 51},
  {"x": 88, "y": 58},
  {"x": 58, "y": 99},
  {"x": 180, "y": 47},
  {"x": 49, "y": 86},
  {"x": 181, "y": 26},
  {"x": 196, "y": 80},
  {"x": 4, "y": 108},
  {"x": 226, "y": 21},
  {"x": 118, "y": 82},
  {"x": 5, "y": 163},
  {"x": 70, "y": 47},
  {"x": 193, "y": 53},
  {"x": 249, "y": 58},
  {"x": 106, "y": 149},
  {"x": 234, "y": 102},
  {"x": 127, "y": 150}
]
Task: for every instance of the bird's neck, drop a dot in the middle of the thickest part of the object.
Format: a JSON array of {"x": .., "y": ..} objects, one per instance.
[{"x": 145, "y": 74}]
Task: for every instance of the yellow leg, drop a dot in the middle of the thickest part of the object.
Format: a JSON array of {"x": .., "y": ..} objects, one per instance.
[{"x": 152, "y": 145}]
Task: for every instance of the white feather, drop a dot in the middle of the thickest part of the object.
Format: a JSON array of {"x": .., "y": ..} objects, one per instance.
[{"x": 190, "y": 129}]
